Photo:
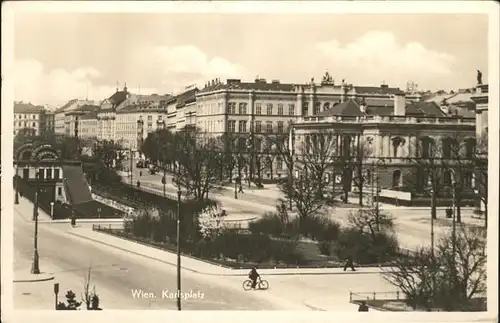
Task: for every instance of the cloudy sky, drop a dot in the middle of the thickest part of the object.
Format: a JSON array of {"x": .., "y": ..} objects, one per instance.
[{"x": 59, "y": 56}]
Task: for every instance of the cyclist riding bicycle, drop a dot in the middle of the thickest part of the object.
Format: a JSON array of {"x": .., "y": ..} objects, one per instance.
[{"x": 253, "y": 275}]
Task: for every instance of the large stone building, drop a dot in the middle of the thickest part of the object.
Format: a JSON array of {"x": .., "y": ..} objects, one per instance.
[
  {"x": 389, "y": 136},
  {"x": 34, "y": 119}
]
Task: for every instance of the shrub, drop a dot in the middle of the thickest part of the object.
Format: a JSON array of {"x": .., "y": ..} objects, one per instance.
[
  {"x": 364, "y": 248},
  {"x": 286, "y": 251},
  {"x": 269, "y": 224}
]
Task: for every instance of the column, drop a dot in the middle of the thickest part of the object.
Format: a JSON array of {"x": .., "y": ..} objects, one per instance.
[
  {"x": 387, "y": 145},
  {"x": 298, "y": 105},
  {"x": 380, "y": 145},
  {"x": 311, "y": 104}
]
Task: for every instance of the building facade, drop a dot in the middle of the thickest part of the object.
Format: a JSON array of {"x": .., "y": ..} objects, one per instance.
[
  {"x": 258, "y": 109},
  {"x": 88, "y": 126},
  {"x": 33, "y": 119},
  {"x": 398, "y": 140},
  {"x": 62, "y": 121}
]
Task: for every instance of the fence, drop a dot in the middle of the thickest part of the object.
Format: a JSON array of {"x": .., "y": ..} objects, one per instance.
[
  {"x": 108, "y": 226},
  {"x": 366, "y": 296}
]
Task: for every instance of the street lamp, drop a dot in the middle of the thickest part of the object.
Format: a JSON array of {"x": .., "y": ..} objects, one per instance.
[
  {"x": 178, "y": 244},
  {"x": 52, "y": 210},
  {"x": 16, "y": 196},
  {"x": 35, "y": 269}
]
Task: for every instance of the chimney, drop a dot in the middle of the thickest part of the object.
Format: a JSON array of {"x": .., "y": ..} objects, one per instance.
[
  {"x": 399, "y": 104},
  {"x": 362, "y": 105}
]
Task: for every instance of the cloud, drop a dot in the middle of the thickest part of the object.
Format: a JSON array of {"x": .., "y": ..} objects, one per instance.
[
  {"x": 33, "y": 84},
  {"x": 378, "y": 56},
  {"x": 180, "y": 66},
  {"x": 154, "y": 69}
]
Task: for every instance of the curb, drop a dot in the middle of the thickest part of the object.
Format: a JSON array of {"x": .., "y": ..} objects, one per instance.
[
  {"x": 218, "y": 274},
  {"x": 34, "y": 280}
]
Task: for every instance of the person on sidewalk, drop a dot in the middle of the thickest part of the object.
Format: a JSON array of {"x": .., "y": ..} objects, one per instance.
[
  {"x": 253, "y": 276},
  {"x": 363, "y": 307},
  {"x": 240, "y": 190},
  {"x": 73, "y": 219},
  {"x": 349, "y": 263}
]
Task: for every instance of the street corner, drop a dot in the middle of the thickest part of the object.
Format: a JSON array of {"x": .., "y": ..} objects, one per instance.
[{"x": 28, "y": 277}]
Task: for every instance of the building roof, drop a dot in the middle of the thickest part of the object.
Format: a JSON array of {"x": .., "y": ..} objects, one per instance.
[
  {"x": 186, "y": 97},
  {"x": 146, "y": 107},
  {"x": 89, "y": 116},
  {"x": 346, "y": 108},
  {"x": 67, "y": 105},
  {"x": 351, "y": 107},
  {"x": 118, "y": 97},
  {"x": 23, "y": 107},
  {"x": 384, "y": 89},
  {"x": 257, "y": 85},
  {"x": 84, "y": 109}
]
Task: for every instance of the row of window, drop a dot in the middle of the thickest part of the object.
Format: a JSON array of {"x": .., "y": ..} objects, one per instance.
[
  {"x": 242, "y": 109},
  {"x": 25, "y": 116},
  {"x": 44, "y": 173},
  {"x": 242, "y": 126},
  {"x": 25, "y": 124}
]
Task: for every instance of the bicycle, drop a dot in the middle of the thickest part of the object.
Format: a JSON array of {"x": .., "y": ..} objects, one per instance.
[{"x": 261, "y": 284}]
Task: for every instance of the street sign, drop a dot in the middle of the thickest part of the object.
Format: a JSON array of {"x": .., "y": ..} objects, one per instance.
[{"x": 56, "y": 288}]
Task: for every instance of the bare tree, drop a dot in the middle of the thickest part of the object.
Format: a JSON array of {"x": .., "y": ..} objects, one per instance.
[
  {"x": 200, "y": 157},
  {"x": 283, "y": 148},
  {"x": 447, "y": 167},
  {"x": 374, "y": 220},
  {"x": 448, "y": 278},
  {"x": 309, "y": 192},
  {"x": 317, "y": 155},
  {"x": 89, "y": 296},
  {"x": 359, "y": 160}
]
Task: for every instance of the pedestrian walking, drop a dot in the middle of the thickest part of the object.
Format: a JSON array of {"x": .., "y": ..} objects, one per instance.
[
  {"x": 138, "y": 184},
  {"x": 73, "y": 219},
  {"x": 363, "y": 307},
  {"x": 349, "y": 263},
  {"x": 240, "y": 189}
]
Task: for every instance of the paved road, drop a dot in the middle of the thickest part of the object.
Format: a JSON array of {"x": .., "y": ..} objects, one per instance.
[{"x": 115, "y": 274}]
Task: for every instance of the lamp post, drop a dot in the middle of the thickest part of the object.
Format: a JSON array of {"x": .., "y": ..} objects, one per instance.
[
  {"x": 52, "y": 210},
  {"x": 35, "y": 269},
  {"x": 178, "y": 244},
  {"x": 16, "y": 196}
]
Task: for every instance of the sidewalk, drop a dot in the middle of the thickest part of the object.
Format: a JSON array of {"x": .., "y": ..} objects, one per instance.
[
  {"x": 202, "y": 267},
  {"x": 334, "y": 304},
  {"x": 25, "y": 207}
]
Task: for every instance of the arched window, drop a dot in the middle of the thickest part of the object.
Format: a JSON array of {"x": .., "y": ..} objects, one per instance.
[
  {"x": 396, "y": 143},
  {"x": 346, "y": 145},
  {"x": 470, "y": 148},
  {"x": 447, "y": 178},
  {"x": 317, "y": 107},
  {"x": 307, "y": 144},
  {"x": 326, "y": 106},
  {"x": 467, "y": 179},
  {"x": 426, "y": 147},
  {"x": 450, "y": 147},
  {"x": 396, "y": 178}
]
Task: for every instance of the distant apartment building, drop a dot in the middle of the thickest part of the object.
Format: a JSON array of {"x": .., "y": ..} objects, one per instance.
[
  {"x": 72, "y": 119},
  {"x": 64, "y": 119},
  {"x": 88, "y": 125},
  {"x": 34, "y": 119}
]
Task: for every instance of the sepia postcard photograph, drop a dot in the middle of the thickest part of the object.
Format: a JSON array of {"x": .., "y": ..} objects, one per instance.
[{"x": 298, "y": 160}]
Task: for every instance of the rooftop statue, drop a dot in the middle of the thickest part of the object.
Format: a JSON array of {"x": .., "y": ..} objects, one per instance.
[{"x": 479, "y": 77}]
